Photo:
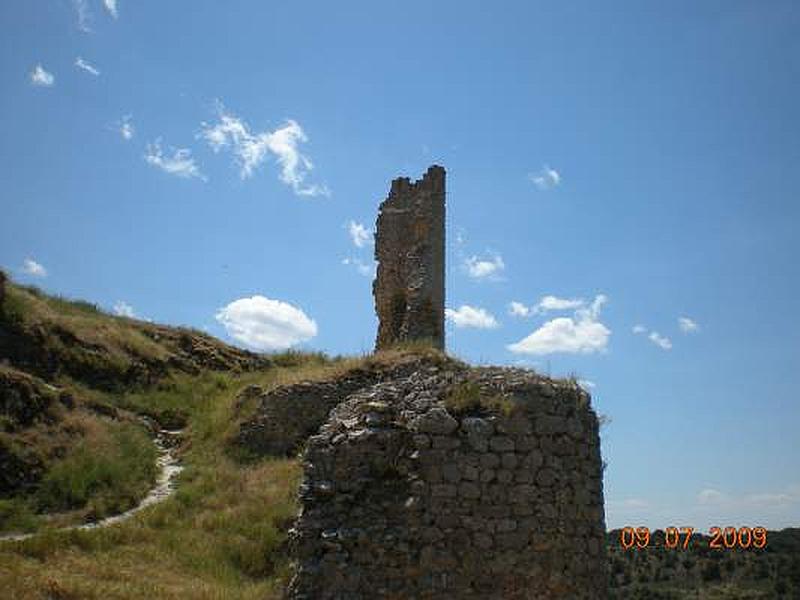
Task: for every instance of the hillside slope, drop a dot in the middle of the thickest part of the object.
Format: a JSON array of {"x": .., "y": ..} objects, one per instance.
[{"x": 70, "y": 434}]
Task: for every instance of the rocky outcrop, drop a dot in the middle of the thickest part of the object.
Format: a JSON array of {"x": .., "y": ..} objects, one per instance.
[
  {"x": 480, "y": 483},
  {"x": 25, "y": 400},
  {"x": 409, "y": 248}
]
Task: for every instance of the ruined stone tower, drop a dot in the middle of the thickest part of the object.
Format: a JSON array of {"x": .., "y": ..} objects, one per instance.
[{"x": 409, "y": 248}]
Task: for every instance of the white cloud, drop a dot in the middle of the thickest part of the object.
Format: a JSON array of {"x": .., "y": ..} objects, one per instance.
[
  {"x": 42, "y": 78},
  {"x": 586, "y": 384},
  {"x": 518, "y": 309},
  {"x": 710, "y": 496},
  {"x": 252, "y": 149},
  {"x": 33, "y": 268},
  {"x": 761, "y": 500},
  {"x": 85, "y": 66},
  {"x": 359, "y": 234},
  {"x": 550, "y": 303},
  {"x": 471, "y": 316},
  {"x": 546, "y": 178},
  {"x": 180, "y": 163},
  {"x": 593, "y": 310},
  {"x": 266, "y": 324},
  {"x": 111, "y": 7},
  {"x": 637, "y": 329},
  {"x": 582, "y": 333},
  {"x": 545, "y": 305},
  {"x": 123, "y": 309},
  {"x": 365, "y": 269},
  {"x": 687, "y": 325},
  {"x": 84, "y": 15},
  {"x": 660, "y": 341},
  {"x": 483, "y": 268},
  {"x": 126, "y": 129}
]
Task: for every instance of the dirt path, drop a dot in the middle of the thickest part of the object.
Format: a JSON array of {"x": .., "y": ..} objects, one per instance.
[{"x": 168, "y": 469}]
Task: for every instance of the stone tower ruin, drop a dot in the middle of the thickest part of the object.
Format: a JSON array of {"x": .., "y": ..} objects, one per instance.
[
  {"x": 409, "y": 248},
  {"x": 434, "y": 479}
]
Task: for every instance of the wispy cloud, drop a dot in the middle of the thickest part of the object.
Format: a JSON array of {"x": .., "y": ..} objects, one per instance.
[
  {"x": 714, "y": 497},
  {"x": 471, "y": 316},
  {"x": 180, "y": 163},
  {"x": 365, "y": 269},
  {"x": 126, "y": 129},
  {"x": 33, "y": 268},
  {"x": 554, "y": 303},
  {"x": 546, "y": 178},
  {"x": 84, "y": 15},
  {"x": 85, "y": 66},
  {"x": 545, "y": 305},
  {"x": 266, "y": 324},
  {"x": 583, "y": 333},
  {"x": 252, "y": 149},
  {"x": 111, "y": 7},
  {"x": 587, "y": 384},
  {"x": 659, "y": 340},
  {"x": 42, "y": 78},
  {"x": 639, "y": 329},
  {"x": 687, "y": 325},
  {"x": 484, "y": 268},
  {"x": 710, "y": 496},
  {"x": 123, "y": 309},
  {"x": 360, "y": 235},
  {"x": 518, "y": 309}
]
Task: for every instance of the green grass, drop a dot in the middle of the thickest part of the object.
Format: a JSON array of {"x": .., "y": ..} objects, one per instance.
[
  {"x": 107, "y": 472},
  {"x": 221, "y": 535},
  {"x": 466, "y": 398},
  {"x": 16, "y": 514}
]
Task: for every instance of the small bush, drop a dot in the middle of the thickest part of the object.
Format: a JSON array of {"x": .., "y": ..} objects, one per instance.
[
  {"x": 16, "y": 515},
  {"x": 467, "y": 398},
  {"x": 107, "y": 473}
]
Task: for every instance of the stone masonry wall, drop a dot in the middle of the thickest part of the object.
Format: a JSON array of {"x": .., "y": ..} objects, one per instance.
[
  {"x": 286, "y": 416},
  {"x": 409, "y": 248},
  {"x": 454, "y": 483}
]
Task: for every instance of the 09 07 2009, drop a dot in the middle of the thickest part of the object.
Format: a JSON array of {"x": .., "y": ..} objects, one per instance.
[{"x": 680, "y": 538}]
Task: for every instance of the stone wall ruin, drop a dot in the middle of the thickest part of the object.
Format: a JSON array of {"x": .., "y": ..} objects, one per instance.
[
  {"x": 409, "y": 248},
  {"x": 415, "y": 488},
  {"x": 443, "y": 481}
]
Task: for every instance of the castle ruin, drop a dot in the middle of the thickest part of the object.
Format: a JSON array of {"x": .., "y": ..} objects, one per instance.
[
  {"x": 409, "y": 248},
  {"x": 444, "y": 481}
]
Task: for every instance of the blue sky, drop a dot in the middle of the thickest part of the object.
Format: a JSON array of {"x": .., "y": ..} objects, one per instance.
[{"x": 609, "y": 166}]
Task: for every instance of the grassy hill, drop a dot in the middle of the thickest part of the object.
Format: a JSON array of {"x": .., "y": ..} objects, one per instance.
[{"x": 74, "y": 384}]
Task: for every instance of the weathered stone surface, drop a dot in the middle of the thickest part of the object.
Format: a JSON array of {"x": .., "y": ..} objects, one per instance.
[
  {"x": 286, "y": 416},
  {"x": 441, "y": 517},
  {"x": 436, "y": 420},
  {"x": 410, "y": 249}
]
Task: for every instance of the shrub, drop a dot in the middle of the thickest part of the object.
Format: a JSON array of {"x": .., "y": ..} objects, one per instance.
[
  {"x": 467, "y": 398},
  {"x": 109, "y": 473},
  {"x": 16, "y": 515}
]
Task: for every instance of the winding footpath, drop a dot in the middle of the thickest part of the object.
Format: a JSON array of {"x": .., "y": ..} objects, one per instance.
[{"x": 168, "y": 468}]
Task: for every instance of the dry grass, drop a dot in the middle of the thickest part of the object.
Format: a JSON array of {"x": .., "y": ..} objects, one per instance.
[
  {"x": 467, "y": 399},
  {"x": 223, "y": 533},
  {"x": 119, "y": 337},
  {"x": 220, "y": 536}
]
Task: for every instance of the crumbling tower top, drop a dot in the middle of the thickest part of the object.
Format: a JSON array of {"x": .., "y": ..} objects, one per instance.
[{"x": 409, "y": 248}]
